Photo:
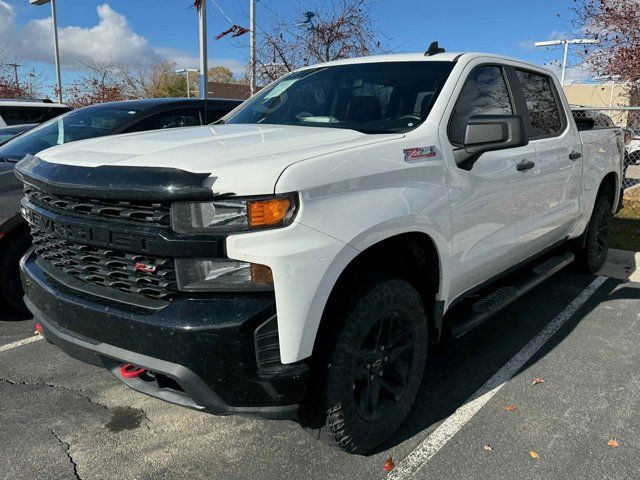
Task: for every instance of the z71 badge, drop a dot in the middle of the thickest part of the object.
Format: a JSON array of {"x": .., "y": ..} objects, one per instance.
[{"x": 419, "y": 153}]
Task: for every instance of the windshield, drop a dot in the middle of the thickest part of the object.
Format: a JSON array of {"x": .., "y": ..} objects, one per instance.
[
  {"x": 76, "y": 125},
  {"x": 368, "y": 97}
]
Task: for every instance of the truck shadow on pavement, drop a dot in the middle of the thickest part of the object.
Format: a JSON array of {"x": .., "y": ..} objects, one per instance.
[{"x": 456, "y": 371}]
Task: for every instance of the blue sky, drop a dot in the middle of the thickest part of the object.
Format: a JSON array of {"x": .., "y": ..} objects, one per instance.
[{"x": 140, "y": 30}]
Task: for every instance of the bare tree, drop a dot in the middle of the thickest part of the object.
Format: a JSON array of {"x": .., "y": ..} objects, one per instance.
[
  {"x": 103, "y": 82},
  {"x": 9, "y": 86},
  {"x": 616, "y": 24},
  {"x": 318, "y": 32}
]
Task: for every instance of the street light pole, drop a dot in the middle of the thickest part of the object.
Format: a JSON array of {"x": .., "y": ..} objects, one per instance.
[
  {"x": 252, "y": 46},
  {"x": 566, "y": 43},
  {"x": 202, "y": 16},
  {"x": 564, "y": 62},
  {"x": 56, "y": 49},
  {"x": 55, "y": 42},
  {"x": 187, "y": 71}
]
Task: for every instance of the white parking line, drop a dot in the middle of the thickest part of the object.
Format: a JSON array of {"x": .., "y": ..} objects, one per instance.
[
  {"x": 419, "y": 457},
  {"x": 19, "y": 343}
]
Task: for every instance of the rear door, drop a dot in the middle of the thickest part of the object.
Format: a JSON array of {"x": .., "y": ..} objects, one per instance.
[
  {"x": 555, "y": 182},
  {"x": 491, "y": 223}
]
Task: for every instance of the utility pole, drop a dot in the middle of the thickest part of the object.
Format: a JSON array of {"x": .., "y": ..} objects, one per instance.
[
  {"x": 55, "y": 42},
  {"x": 566, "y": 43},
  {"x": 202, "y": 16},
  {"x": 252, "y": 46},
  {"x": 15, "y": 73}
]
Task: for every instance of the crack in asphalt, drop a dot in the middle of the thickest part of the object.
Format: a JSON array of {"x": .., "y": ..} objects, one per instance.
[
  {"x": 67, "y": 451},
  {"x": 79, "y": 393}
]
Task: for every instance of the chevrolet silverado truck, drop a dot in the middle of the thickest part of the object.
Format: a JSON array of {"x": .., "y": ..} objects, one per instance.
[{"x": 299, "y": 258}]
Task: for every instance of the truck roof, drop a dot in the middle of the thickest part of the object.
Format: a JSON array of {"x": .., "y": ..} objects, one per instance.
[{"x": 420, "y": 57}]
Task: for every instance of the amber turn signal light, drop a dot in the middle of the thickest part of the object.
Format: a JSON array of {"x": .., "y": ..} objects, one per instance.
[
  {"x": 261, "y": 274},
  {"x": 263, "y": 213}
]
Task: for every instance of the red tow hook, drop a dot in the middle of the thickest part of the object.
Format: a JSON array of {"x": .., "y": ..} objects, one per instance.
[
  {"x": 131, "y": 371},
  {"x": 39, "y": 328}
]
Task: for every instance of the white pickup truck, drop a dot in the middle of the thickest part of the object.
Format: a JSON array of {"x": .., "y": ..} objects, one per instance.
[{"x": 296, "y": 259}]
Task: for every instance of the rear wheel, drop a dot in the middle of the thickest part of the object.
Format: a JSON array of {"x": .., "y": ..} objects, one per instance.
[
  {"x": 14, "y": 246},
  {"x": 365, "y": 381},
  {"x": 593, "y": 252}
]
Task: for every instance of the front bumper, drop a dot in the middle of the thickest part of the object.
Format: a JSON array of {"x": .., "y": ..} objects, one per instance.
[{"x": 201, "y": 352}]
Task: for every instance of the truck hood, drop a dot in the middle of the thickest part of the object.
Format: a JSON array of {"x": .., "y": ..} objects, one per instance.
[{"x": 244, "y": 159}]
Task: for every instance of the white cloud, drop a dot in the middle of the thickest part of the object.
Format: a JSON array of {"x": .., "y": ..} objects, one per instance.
[
  {"x": 574, "y": 73},
  {"x": 110, "y": 40}
]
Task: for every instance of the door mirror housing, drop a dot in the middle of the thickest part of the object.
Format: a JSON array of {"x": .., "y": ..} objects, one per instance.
[{"x": 486, "y": 133}]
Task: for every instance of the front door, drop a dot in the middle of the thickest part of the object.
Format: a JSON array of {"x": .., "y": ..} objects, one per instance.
[{"x": 490, "y": 208}]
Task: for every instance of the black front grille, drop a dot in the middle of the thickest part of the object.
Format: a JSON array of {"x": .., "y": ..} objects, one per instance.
[
  {"x": 149, "y": 213},
  {"x": 107, "y": 267}
]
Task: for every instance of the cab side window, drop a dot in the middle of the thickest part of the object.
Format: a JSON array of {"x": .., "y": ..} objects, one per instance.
[
  {"x": 172, "y": 119},
  {"x": 544, "y": 110},
  {"x": 485, "y": 92}
]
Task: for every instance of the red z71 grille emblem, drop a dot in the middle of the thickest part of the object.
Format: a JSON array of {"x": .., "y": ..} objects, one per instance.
[{"x": 144, "y": 268}]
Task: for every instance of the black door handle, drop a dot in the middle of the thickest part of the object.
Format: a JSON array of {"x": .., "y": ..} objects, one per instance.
[
  {"x": 525, "y": 165},
  {"x": 575, "y": 155}
]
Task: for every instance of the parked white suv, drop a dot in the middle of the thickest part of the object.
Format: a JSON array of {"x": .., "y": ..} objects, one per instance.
[
  {"x": 297, "y": 258},
  {"x": 21, "y": 112}
]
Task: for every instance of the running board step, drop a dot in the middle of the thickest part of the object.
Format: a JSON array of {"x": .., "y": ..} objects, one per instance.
[{"x": 503, "y": 296}]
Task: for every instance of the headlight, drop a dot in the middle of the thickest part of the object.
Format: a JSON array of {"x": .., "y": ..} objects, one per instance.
[
  {"x": 233, "y": 215},
  {"x": 221, "y": 274}
]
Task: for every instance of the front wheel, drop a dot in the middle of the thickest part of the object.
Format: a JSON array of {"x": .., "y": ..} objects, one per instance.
[
  {"x": 367, "y": 374},
  {"x": 593, "y": 253}
]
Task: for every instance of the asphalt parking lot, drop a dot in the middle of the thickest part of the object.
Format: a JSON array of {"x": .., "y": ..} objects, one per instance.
[{"x": 62, "y": 419}]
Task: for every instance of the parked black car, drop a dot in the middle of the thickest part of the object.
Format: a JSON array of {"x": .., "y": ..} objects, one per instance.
[{"x": 89, "y": 122}]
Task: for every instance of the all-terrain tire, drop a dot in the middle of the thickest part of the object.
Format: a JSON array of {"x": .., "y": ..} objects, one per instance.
[
  {"x": 14, "y": 246},
  {"x": 592, "y": 252},
  {"x": 345, "y": 362}
]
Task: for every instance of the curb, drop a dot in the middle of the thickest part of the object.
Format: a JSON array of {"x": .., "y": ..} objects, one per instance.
[{"x": 622, "y": 264}]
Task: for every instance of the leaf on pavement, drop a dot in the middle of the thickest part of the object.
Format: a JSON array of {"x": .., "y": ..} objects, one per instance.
[
  {"x": 534, "y": 455},
  {"x": 510, "y": 408},
  {"x": 488, "y": 448},
  {"x": 536, "y": 381},
  {"x": 613, "y": 443}
]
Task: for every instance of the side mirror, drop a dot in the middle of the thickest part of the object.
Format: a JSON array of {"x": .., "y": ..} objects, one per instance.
[{"x": 485, "y": 133}]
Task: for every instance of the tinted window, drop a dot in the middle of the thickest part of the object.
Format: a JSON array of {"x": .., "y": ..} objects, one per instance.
[
  {"x": 544, "y": 111},
  {"x": 485, "y": 92},
  {"x": 188, "y": 117},
  {"x": 20, "y": 115},
  {"x": 368, "y": 97},
  {"x": 79, "y": 124}
]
